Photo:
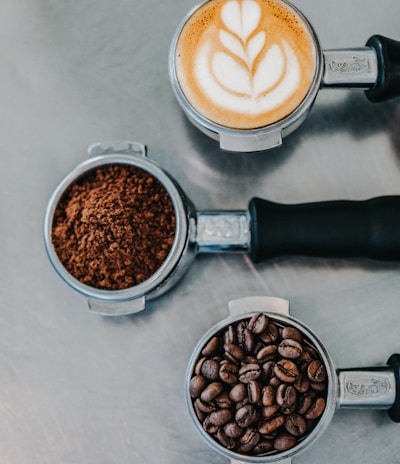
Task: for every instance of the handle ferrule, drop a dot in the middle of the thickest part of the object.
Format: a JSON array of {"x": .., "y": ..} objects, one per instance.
[{"x": 388, "y": 55}]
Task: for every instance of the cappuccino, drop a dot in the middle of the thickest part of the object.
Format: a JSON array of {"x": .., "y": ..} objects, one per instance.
[{"x": 245, "y": 64}]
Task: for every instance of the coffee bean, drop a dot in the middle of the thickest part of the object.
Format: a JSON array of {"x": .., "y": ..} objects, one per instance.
[
  {"x": 286, "y": 370},
  {"x": 228, "y": 372},
  {"x": 249, "y": 440},
  {"x": 249, "y": 372},
  {"x": 271, "y": 333},
  {"x": 211, "y": 347},
  {"x": 238, "y": 393},
  {"x": 284, "y": 442},
  {"x": 286, "y": 397},
  {"x": 269, "y": 426},
  {"x": 316, "y": 409},
  {"x": 254, "y": 391},
  {"x": 258, "y": 386},
  {"x": 316, "y": 371},
  {"x": 292, "y": 333},
  {"x": 263, "y": 447},
  {"x": 268, "y": 395},
  {"x": 220, "y": 417},
  {"x": 234, "y": 352},
  {"x": 197, "y": 385},
  {"x": 258, "y": 323},
  {"x": 204, "y": 406},
  {"x": 232, "y": 430},
  {"x": 210, "y": 369},
  {"x": 246, "y": 416},
  {"x": 211, "y": 391},
  {"x": 225, "y": 441},
  {"x": 296, "y": 425},
  {"x": 291, "y": 349},
  {"x": 267, "y": 353}
]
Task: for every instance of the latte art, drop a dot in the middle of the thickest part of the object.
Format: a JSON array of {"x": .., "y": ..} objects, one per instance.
[{"x": 245, "y": 64}]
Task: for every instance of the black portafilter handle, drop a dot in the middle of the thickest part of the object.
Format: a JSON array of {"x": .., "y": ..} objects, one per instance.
[
  {"x": 394, "y": 363},
  {"x": 388, "y": 82},
  {"x": 343, "y": 228}
]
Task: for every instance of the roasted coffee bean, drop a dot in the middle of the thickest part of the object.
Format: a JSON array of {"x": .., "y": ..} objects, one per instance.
[
  {"x": 304, "y": 404},
  {"x": 223, "y": 401},
  {"x": 316, "y": 371},
  {"x": 232, "y": 430},
  {"x": 292, "y": 333},
  {"x": 258, "y": 323},
  {"x": 246, "y": 416},
  {"x": 290, "y": 349},
  {"x": 270, "y": 411},
  {"x": 238, "y": 393},
  {"x": 210, "y": 369},
  {"x": 197, "y": 384},
  {"x": 220, "y": 417},
  {"x": 209, "y": 427},
  {"x": 263, "y": 447},
  {"x": 204, "y": 406},
  {"x": 302, "y": 384},
  {"x": 270, "y": 334},
  {"x": 228, "y": 372},
  {"x": 254, "y": 391},
  {"x": 249, "y": 372},
  {"x": 286, "y": 370},
  {"x": 268, "y": 395},
  {"x": 234, "y": 352},
  {"x": 229, "y": 336},
  {"x": 284, "y": 442},
  {"x": 199, "y": 365},
  {"x": 296, "y": 425},
  {"x": 225, "y": 441},
  {"x": 249, "y": 440},
  {"x": 266, "y": 354},
  {"x": 248, "y": 341},
  {"x": 211, "y": 347},
  {"x": 257, "y": 391},
  {"x": 211, "y": 391},
  {"x": 316, "y": 409},
  {"x": 269, "y": 426},
  {"x": 286, "y": 397}
]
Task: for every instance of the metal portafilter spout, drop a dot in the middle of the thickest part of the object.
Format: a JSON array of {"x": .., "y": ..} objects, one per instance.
[{"x": 369, "y": 229}]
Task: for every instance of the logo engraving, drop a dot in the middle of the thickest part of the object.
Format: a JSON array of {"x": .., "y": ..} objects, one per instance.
[
  {"x": 355, "y": 65},
  {"x": 374, "y": 387}
]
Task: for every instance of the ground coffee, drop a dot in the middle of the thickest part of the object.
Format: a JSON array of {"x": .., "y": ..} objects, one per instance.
[
  {"x": 259, "y": 387},
  {"x": 114, "y": 227}
]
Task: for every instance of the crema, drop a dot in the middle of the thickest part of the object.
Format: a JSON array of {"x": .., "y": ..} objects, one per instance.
[{"x": 245, "y": 64}]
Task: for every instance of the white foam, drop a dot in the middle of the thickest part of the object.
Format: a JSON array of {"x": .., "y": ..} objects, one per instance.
[{"x": 235, "y": 76}]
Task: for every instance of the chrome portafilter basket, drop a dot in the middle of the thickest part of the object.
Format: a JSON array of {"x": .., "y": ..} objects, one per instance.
[
  {"x": 360, "y": 388},
  {"x": 266, "y": 230},
  {"x": 374, "y": 68}
]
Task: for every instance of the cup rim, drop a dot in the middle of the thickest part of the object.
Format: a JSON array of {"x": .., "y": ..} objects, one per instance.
[
  {"x": 324, "y": 420},
  {"x": 283, "y": 126},
  {"x": 154, "y": 282}
]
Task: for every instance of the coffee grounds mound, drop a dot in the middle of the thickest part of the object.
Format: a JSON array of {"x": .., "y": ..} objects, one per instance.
[{"x": 114, "y": 227}]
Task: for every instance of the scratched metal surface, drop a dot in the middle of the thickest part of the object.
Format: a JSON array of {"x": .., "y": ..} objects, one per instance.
[{"x": 80, "y": 388}]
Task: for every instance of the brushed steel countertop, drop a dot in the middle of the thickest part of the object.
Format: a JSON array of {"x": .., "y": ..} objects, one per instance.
[{"x": 81, "y": 388}]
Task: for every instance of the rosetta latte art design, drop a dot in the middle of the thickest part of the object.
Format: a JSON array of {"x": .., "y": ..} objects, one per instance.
[
  {"x": 247, "y": 63},
  {"x": 245, "y": 74}
]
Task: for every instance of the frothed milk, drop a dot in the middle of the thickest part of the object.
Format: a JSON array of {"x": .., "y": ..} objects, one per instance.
[{"x": 245, "y": 64}]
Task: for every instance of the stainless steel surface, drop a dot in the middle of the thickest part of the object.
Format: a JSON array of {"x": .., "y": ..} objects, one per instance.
[{"x": 77, "y": 387}]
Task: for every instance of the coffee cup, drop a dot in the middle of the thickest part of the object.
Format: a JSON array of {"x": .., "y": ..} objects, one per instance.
[
  {"x": 247, "y": 72},
  {"x": 261, "y": 387}
]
